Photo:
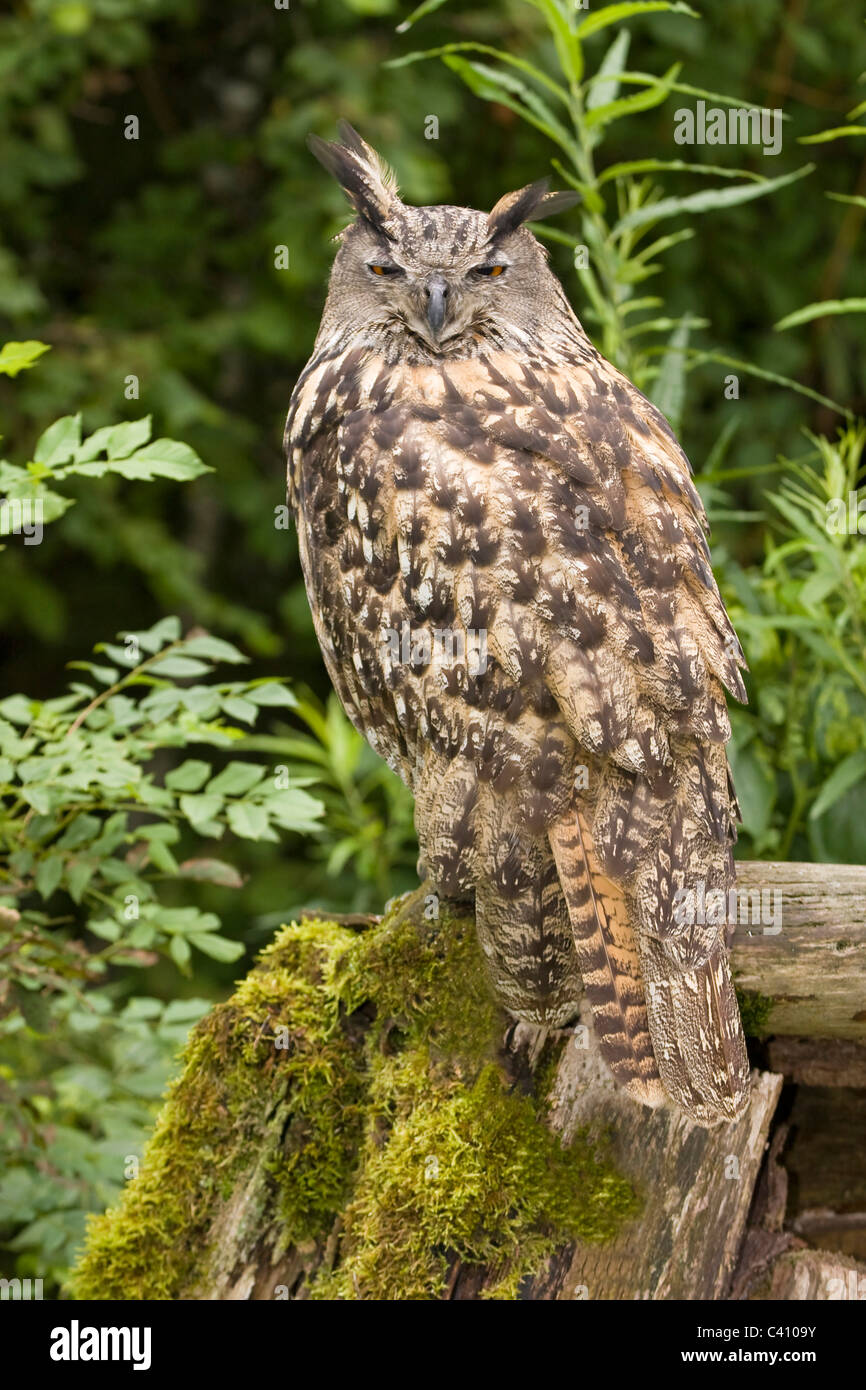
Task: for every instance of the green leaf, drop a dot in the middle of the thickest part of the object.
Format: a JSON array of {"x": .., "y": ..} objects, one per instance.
[
  {"x": 179, "y": 949},
  {"x": 424, "y": 9},
  {"x": 164, "y": 458},
  {"x": 652, "y": 166},
  {"x": 161, "y": 830},
  {"x": 213, "y": 649},
  {"x": 186, "y": 1010},
  {"x": 613, "y": 14},
  {"x": 491, "y": 85},
  {"x": 201, "y": 811},
  {"x": 558, "y": 14},
  {"x": 669, "y": 389},
  {"x": 80, "y": 831},
  {"x": 17, "y": 357},
  {"x": 249, "y": 821},
  {"x": 18, "y": 709},
  {"x": 161, "y": 857},
  {"x": 699, "y": 355},
  {"x": 153, "y": 638},
  {"x": 106, "y": 675},
  {"x": 238, "y": 708},
  {"x": 125, "y": 438},
  {"x": 825, "y": 307},
  {"x": 143, "y": 1008},
  {"x": 755, "y": 785},
  {"x": 855, "y": 199},
  {"x": 707, "y": 202},
  {"x": 78, "y": 875},
  {"x": 59, "y": 442},
  {"x": 604, "y": 87},
  {"x": 641, "y": 101},
  {"x": 105, "y": 928},
  {"x": 42, "y": 799},
  {"x": 179, "y": 667},
  {"x": 294, "y": 810},
  {"x": 237, "y": 778},
  {"x": 217, "y": 947},
  {"x": 836, "y": 134},
  {"x": 191, "y": 775},
  {"x": 117, "y": 441},
  {"x": 849, "y": 772},
  {"x": 509, "y": 59},
  {"x": 121, "y": 655},
  {"x": 271, "y": 693},
  {"x": 48, "y": 875}
]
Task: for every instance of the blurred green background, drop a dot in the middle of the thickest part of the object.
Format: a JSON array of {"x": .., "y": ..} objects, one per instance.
[{"x": 157, "y": 257}]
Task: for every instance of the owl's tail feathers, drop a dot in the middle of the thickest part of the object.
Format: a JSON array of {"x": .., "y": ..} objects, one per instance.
[
  {"x": 607, "y": 954},
  {"x": 695, "y": 1026}
]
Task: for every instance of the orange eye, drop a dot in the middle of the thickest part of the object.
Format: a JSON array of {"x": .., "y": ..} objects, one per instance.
[
  {"x": 378, "y": 269},
  {"x": 489, "y": 269},
  {"x": 383, "y": 268},
  {"x": 496, "y": 269}
]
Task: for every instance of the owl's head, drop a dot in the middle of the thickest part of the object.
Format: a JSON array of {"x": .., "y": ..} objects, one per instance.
[{"x": 436, "y": 280}]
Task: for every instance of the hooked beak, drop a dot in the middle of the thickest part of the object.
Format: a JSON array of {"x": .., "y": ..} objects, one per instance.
[{"x": 436, "y": 291}]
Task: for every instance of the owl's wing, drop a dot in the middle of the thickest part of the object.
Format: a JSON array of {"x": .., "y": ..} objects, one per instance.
[{"x": 635, "y": 645}]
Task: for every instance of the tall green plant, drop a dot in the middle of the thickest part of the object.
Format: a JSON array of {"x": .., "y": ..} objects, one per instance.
[{"x": 625, "y": 210}]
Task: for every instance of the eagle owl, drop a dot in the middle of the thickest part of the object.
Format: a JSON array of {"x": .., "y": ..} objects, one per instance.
[{"x": 509, "y": 578}]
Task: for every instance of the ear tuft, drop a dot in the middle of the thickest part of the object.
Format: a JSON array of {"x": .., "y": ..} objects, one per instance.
[
  {"x": 513, "y": 209},
  {"x": 363, "y": 175},
  {"x": 552, "y": 203}
]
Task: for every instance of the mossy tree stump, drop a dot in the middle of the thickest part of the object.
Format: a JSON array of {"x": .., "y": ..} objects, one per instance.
[{"x": 360, "y": 1120}]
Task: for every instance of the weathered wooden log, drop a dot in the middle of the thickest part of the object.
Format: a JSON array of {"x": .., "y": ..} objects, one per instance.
[
  {"x": 804, "y": 973},
  {"x": 361, "y": 1120}
]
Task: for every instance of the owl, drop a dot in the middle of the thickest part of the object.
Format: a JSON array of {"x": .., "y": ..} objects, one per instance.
[{"x": 509, "y": 577}]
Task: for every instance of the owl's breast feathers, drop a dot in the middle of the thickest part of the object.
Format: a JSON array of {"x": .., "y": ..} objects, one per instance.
[{"x": 546, "y": 505}]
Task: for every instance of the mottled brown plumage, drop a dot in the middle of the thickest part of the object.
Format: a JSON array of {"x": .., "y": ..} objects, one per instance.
[{"x": 462, "y": 461}]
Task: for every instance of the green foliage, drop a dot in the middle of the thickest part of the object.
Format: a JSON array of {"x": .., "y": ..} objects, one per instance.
[
  {"x": 830, "y": 307},
  {"x": 612, "y": 257},
  {"x": 78, "y": 772},
  {"x": 368, "y": 828},
  {"x": 96, "y": 799},
  {"x": 62, "y": 453},
  {"x": 797, "y": 752},
  {"x": 80, "y": 1079}
]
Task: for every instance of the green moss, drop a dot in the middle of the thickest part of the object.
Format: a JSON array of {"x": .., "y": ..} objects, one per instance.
[
  {"x": 472, "y": 1174},
  {"x": 755, "y": 1010},
  {"x": 271, "y": 1070},
  {"x": 364, "y": 1071}
]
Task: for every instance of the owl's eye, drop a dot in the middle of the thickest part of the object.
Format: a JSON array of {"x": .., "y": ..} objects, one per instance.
[
  {"x": 382, "y": 268},
  {"x": 489, "y": 269}
]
